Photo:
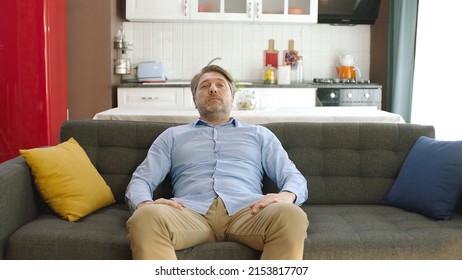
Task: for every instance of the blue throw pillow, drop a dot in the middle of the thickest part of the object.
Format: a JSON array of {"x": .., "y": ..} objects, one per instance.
[{"x": 430, "y": 180}]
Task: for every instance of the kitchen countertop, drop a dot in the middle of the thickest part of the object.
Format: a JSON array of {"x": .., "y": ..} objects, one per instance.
[
  {"x": 316, "y": 114},
  {"x": 249, "y": 84}
]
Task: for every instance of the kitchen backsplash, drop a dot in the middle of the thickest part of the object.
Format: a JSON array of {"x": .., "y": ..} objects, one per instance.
[{"x": 184, "y": 48}]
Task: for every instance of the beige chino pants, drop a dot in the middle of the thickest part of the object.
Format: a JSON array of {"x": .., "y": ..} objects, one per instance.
[{"x": 157, "y": 230}]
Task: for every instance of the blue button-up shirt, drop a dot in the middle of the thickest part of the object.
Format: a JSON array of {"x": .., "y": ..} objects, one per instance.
[{"x": 206, "y": 161}]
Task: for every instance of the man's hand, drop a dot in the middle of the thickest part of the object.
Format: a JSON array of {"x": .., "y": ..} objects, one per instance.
[
  {"x": 174, "y": 203},
  {"x": 282, "y": 197}
]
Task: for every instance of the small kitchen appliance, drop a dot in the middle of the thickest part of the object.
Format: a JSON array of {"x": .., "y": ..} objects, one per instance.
[{"x": 151, "y": 71}]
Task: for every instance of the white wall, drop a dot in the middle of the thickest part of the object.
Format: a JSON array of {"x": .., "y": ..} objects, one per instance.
[
  {"x": 437, "y": 97},
  {"x": 184, "y": 48}
]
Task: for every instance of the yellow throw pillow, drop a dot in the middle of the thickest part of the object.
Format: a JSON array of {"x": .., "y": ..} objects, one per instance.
[{"x": 67, "y": 180}]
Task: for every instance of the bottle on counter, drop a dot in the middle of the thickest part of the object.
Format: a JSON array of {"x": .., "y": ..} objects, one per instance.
[
  {"x": 271, "y": 55},
  {"x": 300, "y": 78},
  {"x": 290, "y": 55},
  {"x": 291, "y": 58}
]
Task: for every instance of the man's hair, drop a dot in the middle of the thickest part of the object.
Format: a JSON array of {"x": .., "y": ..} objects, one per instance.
[{"x": 212, "y": 68}]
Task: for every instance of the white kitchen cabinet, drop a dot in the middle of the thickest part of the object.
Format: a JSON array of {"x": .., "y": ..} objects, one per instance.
[
  {"x": 296, "y": 11},
  {"x": 188, "y": 100},
  {"x": 217, "y": 10},
  {"x": 153, "y": 10},
  {"x": 181, "y": 97},
  {"x": 299, "y": 11},
  {"x": 161, "y": 97},
  {"x": 268, "y": 98}
]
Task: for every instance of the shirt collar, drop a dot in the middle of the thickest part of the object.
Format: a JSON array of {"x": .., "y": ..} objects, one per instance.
[{"x": 232, "y": 121}]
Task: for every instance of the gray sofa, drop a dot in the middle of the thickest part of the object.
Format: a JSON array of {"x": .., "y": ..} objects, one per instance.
[{"x": 350, "y": 167}]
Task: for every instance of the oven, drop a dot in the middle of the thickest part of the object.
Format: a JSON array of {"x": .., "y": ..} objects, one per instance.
[{"x": 334, "y": 92}]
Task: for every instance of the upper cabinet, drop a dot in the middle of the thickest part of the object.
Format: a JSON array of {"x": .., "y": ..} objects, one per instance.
[
  {"x": 299, "y": 11},
  {"x": 234, "y": 10},
  {"x": 152, "y": 10}
]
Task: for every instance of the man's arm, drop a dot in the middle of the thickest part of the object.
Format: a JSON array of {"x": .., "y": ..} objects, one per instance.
[
  {"x": 150, "y": 173},
  {"x": 279, "y": 168}
]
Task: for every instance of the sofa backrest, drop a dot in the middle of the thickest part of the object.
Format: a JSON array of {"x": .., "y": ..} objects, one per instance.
[
  {"x": 343, "y": 162},
  {"x": 349, "y": 162}
]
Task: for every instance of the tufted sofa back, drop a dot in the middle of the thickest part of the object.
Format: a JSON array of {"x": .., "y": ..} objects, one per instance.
[
  {"x": 349, "y": 162},
  {"x": 343, "y": 162}
]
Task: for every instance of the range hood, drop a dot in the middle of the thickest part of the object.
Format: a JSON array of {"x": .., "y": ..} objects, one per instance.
[{"x": 348, "y": 12}]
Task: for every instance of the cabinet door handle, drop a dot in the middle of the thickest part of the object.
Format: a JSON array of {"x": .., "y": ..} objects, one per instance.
[
  {"x": 149, "y": 98},
  {"x": 258, "y": 10},
  {"x": 185, "y": 8},
  {"x": 250, "y": 9}
]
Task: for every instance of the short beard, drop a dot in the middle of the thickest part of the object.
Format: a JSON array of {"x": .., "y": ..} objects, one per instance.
[{"x": 213, "y": 114}]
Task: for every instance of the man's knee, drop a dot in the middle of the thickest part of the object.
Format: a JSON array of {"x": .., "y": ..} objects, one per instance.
[
  {"x": 153, "y": 213},
  {"x": 289, "y": 214}
]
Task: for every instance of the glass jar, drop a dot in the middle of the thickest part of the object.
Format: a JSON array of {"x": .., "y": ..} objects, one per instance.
[
  {"x": 246, "y": 100},
  {"x": 269, "y": 75}
]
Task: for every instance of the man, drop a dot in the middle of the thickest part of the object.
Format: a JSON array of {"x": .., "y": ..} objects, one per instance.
[{"x": 216, "y": 165}]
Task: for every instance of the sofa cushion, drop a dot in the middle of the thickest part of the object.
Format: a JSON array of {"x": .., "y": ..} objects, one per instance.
[
  {"x": 430, "y": 180},
  {"x": 351, "y": 232},
  {"x": 67, "y": 180},
  {"x": 99, "y": 236}
]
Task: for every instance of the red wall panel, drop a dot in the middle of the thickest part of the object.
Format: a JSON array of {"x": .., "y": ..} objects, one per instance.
[{"x": 33, "y": 74}]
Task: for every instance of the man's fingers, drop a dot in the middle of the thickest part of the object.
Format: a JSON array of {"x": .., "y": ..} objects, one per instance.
[
  {"x": 270, "y": 198},
  {"x": 170, "y": 202}
]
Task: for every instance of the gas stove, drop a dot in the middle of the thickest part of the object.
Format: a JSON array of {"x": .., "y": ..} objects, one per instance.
[{"x": 340, "y": 81}]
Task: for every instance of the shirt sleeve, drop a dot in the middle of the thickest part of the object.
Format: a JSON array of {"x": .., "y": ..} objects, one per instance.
[
  {"x": 280, "y": 168},
  {"x": 151, "y": 172}
]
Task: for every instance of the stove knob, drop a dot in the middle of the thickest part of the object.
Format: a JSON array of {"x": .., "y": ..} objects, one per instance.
[{"x": 332, "y": 95}]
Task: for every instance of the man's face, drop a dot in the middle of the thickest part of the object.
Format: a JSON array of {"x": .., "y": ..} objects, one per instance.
[{"x": 213, "y": 94}]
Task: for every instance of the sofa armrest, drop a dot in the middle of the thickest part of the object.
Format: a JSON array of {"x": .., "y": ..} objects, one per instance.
[{"x": 17, "y": 199}]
